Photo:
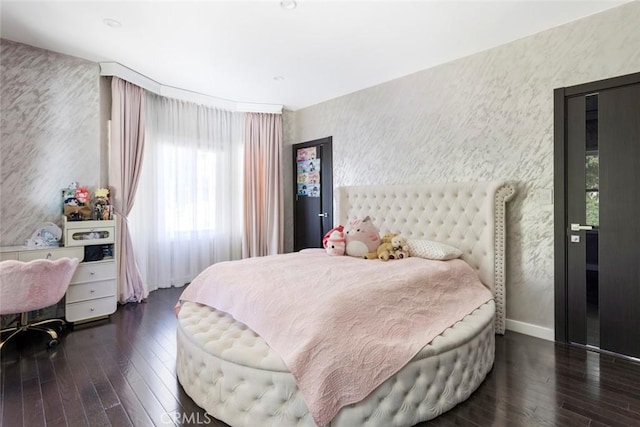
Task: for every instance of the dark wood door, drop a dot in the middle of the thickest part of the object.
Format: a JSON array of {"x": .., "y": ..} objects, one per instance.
[
  {"x": 602, "y": 211},
  {"x": 313, "y": 193},
  {"x": 619, "y": 237}
]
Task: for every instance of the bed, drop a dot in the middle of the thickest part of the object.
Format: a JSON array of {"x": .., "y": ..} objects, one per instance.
[{"x": 231, "y": 372}]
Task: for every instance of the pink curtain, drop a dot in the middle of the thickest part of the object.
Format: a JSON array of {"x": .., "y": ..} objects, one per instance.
[
  {"x": 263, "y": 217},
  {"x": 125, "y": 163}
]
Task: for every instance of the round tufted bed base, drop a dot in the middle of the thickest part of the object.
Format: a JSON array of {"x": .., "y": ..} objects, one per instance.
[{"x": 232, "y": 373}]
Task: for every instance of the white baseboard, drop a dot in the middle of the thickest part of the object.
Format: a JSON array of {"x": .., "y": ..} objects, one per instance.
[{"x": 532, "y": 330}]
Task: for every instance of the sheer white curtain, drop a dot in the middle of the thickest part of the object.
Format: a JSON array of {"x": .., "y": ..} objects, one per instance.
[{"x": 188, "y": 210}]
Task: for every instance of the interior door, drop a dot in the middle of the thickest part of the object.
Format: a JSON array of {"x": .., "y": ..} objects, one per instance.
[
  {"x": 619, "y": 242},
  {"x": 313, "y": 192},
  {"x": 602, "y": 212}
]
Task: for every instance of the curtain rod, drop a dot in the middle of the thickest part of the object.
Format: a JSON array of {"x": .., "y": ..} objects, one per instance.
[{"x": 125, "y": 73}]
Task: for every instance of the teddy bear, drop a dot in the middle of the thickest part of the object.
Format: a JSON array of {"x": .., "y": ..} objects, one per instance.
[
  {"x": 361, "y": 236},
  {"x": 399, "y": 247},
  {"x": 383, "y": 251},
  {"x": 335, "y": 244}
]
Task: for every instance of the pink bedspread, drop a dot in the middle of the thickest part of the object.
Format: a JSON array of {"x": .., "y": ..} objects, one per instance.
[{"x": 342, "y": 325}]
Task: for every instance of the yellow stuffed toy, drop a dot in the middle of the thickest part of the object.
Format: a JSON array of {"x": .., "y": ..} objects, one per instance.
[
  {"x": 399, "y": 247},
  {"x": 385, "y": 250}
]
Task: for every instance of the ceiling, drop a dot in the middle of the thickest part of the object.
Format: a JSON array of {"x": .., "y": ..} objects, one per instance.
[{"x": 259, "y": 52}]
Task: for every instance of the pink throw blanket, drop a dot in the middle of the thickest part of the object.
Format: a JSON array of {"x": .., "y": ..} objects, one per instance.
[{"x": 343, "y": 325}]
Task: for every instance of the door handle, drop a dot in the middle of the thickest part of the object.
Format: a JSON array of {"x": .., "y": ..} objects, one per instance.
[
  {"x": 323, "y": 215},
  {"x": 578, "y": 227}
]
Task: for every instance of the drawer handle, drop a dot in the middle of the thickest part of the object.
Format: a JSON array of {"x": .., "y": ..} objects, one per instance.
[
  {"x": 49, "y": 255},
  {"x": 92, "y": 273},
  {"x": 92, "y": 290},
  {"x": 93, "y": 309}
]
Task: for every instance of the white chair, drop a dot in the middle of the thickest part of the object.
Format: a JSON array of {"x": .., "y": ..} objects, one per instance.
[{"x": 27, "y": 286}]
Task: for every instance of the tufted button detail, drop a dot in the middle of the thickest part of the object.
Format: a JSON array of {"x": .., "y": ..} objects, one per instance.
[{"x": 409, "y": 400}]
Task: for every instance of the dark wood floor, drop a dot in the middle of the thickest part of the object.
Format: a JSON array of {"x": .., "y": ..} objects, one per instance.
[{"x": 121, "y": 372}]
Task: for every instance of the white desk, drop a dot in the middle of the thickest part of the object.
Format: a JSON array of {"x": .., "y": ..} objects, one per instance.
[
  {"x": 93, "y": 288},
  {"x": 23, "y": 253}
]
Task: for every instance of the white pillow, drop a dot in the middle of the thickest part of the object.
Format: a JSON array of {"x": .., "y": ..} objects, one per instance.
[{"x": 432, "y": 250}]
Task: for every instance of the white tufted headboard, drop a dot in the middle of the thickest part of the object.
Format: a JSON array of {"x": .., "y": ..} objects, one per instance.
[{"x": 469, "y": 216}]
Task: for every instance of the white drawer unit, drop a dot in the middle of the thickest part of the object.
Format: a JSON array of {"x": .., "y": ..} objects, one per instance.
[
  {"x": 94, "y": 271},
  {"x": 93, "y": 290},
  {"x": 92, "y": 293},
  {"x": 51, "y": 253},
  {"x": 80, "y": 233},
  {"x": 92, "y": 280},
  {"x": 91, "y": 309},
  {"x": 87, "y": 291},
  {"x": 9, "y": 253},
  {"x": 23, "y": 253}
]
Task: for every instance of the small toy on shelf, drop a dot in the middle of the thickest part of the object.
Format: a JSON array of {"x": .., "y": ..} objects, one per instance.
[
  {"x": 102, "y": 210},
  {"x": 82, "y": 195},
  {"x": 102, "y": 196},
  {"x": 76, "y": 203},
  {"x": 69, "y": 194}
]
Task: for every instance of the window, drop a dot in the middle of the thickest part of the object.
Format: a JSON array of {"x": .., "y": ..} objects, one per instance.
[{"x": 191, "y": 178}]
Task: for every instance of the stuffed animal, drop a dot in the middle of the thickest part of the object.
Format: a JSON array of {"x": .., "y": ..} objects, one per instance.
[
  {"x": 82, "y": 195},
  {"x": 361, "y": 237},
  {"x": 383, "y": 250},
  {"x": 335, "y": 243},
  {"x": 399, "y": 247},
  {"x": 325, "y": 239},
  {"x": 392, "y": 246}
]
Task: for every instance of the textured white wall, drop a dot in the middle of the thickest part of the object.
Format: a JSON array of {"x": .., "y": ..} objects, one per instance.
[
  {"x": 50, "y": 135},
  {"x": 484, "y": 117}
]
